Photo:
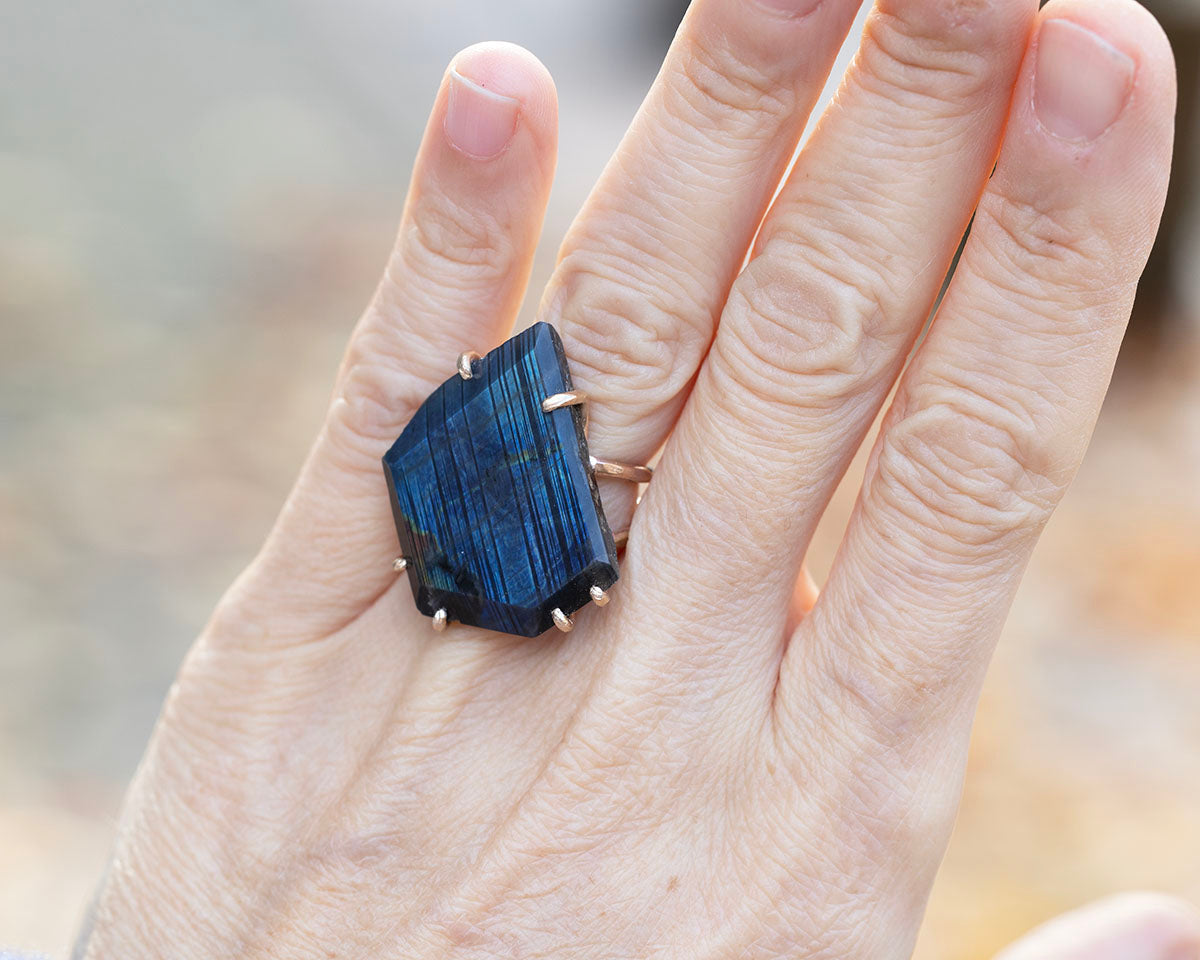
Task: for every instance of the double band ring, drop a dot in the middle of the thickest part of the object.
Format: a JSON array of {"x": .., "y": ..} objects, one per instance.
[{"x": 494, "y": 494}]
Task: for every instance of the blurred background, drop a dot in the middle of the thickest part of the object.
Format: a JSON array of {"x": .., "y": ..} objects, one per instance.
[{"x": 195, "y": 202}]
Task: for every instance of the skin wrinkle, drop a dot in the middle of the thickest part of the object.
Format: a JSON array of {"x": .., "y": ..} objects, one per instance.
[
  {"x": 638, "y": 304},
  {"x": 372, "y": 398},
  {"x": 1028, "y": 419},
  {"x": 727, "y": 94},
  {"x": 961, "y": 509},
  {"x": 1029, "y": 233},
  {"x": 625, "y": 281},
  {"x": 458, "y": 241},
  {"x": 645, "y": 362},
  {"x": 1054, "y": 377},
  {"x": 644, "y": 233},
  {"x": 836, "y": 211},
  {"x": 895, "y": 55},
  {"x": 817, "y": 362}
]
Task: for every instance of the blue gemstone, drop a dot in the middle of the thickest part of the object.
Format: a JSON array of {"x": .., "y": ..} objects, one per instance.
[{"x": 495, "y": 501}]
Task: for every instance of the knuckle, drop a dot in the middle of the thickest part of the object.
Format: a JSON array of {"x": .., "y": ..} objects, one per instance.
[
  {"x": 238, "y": 623},
  {"x": 872, "y": 776},
  {"x": 885, "y": 810},
  {"x": 717, "y": 83},
  {"x": 812, "y": 340},
  {"x": 869, "y": 270},
  {"x": 628, "y": 342},
  {"x": 885, "y": 690},
  {"x": 375, "y": 396},
  {"x": 1040, "y": 239},
  {"x": 968, "y": 471},
  {"x": 931, "y": 54},
  {"x": 444, "y": 241}
]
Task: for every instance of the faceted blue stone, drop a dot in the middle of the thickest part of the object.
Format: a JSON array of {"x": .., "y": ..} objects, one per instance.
[{"x": 494, "y": 500}]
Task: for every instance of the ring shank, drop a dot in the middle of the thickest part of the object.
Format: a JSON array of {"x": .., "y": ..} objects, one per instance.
[{"x": 633, "y": 472}]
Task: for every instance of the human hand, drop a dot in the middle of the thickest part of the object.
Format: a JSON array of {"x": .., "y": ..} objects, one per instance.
[{"x": 717, "y": 763}]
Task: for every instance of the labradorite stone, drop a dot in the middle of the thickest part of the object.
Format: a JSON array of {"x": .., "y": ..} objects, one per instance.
[{"x": 494, "y": 500}]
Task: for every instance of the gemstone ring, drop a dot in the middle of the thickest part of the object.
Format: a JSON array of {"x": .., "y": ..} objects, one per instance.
[{"x": 494, "y": 494}]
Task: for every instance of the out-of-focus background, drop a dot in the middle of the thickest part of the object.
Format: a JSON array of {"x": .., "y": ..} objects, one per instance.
[{"x": 195, "y": 201}]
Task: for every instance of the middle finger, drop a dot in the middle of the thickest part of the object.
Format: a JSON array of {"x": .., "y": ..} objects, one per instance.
[
  {"x": 848, "y": 264},
  {"x": 644, "y": 272}
]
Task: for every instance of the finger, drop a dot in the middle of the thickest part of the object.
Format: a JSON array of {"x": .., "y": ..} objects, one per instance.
[
  {"x": 987, "y": 428},
  {"x": 645, "y": 269},
  {"x": 849, "y": 261},
  {"x": 1132, "y": 926},
  {"x": 453, "y": 282},
  {"x": 992, "y": 417}
]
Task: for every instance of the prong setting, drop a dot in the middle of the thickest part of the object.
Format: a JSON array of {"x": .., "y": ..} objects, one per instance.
[
  {"x": 466, "y": 364},
  {"x": 556, "y": 401},
  {"x": 400, "y": 564},
  {"x": 569, "y": 398},
  {"x": 562, "y": 621},
  {"x": 599, "y": 596},
  {"x": 440, "y": 619}
]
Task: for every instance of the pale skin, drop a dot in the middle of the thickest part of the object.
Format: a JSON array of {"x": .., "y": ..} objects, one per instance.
[{"x": 719, "y": 763}]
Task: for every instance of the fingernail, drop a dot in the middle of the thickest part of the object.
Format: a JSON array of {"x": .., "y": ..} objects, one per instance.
[
  {"x": 480, "y": 122},
  {"x": 1081, "y": 81}
]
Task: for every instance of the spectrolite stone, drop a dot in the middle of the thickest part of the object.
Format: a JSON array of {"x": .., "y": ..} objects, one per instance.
[{"x": 494, "y": 500}]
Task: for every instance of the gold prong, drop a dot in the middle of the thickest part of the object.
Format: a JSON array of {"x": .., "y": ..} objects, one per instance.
[
  {"x": 599, "y": 597},
  {"x": 556, "y": 401},
  {"x": 465, "y": 362},
  {"x": 571, "y": 398},
  {"x": 562, "y": 621},
  {"x": 621, "y": 539},
  {"x": 440, "y": 619},
  {"x": 400, "y": 564}
]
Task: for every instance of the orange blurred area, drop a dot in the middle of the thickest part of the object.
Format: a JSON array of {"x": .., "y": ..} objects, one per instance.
[{"x": 198, "y": 200}]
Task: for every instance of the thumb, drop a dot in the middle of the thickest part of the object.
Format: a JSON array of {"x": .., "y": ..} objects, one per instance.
[{"x": 1131, "y": 926}]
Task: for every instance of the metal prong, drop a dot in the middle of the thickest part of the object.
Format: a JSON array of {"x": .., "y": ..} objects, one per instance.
[
  {"x": 440, "y": 619},
  {"x": 599, "y": 597},
  {"x": 465, "y": 362},
  {"x": 556, "y": 401},
  {"x": 571, "y": 398},
  {"x": 621, "y": 540},
  {"x": 562, "y": 621},
  {"x": 400, "y": 564}
]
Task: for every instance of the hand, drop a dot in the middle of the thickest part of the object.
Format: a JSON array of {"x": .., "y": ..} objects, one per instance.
[{"x": 718, "y": 763}]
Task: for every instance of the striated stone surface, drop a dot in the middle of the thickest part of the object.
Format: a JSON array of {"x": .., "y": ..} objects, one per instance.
[{"x": 495, "y": 504}]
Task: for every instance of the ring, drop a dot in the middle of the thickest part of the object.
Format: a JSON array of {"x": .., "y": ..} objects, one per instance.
[{"x": 494, "y": 494}]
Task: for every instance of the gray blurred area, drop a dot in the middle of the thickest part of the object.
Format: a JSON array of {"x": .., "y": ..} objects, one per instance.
[{"x": 195, "y": 202}]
